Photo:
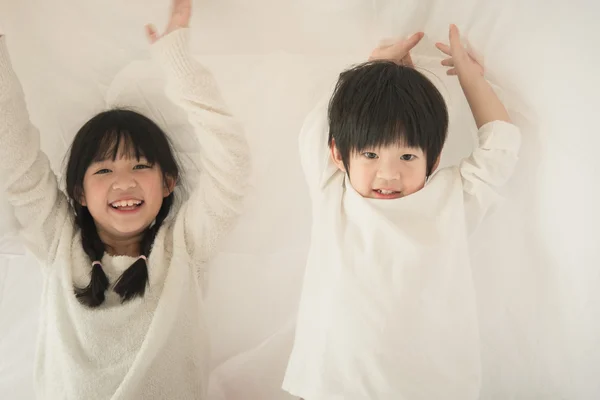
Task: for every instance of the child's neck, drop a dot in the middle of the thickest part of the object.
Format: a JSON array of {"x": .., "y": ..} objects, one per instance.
[{"x": 121, "y": 246}]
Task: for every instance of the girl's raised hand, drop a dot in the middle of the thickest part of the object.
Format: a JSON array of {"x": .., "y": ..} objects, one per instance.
[{"x": 181, "y": 12}]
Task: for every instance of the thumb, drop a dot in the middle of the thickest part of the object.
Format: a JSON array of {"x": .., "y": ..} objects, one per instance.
[{"x": 151, "y": 33}]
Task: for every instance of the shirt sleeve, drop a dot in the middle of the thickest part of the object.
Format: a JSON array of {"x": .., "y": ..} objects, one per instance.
[
  {"x": 223, "y": 159},
  {"x": 30, "y": 185},
  {"x": 315, "y": 155},
  {"x": 488, "y": 168}
]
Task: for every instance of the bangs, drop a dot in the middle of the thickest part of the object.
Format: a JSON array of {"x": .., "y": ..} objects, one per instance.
[
  {"x": 383, "y": 129},
  {"x": 120, "y": 144},
  {"x": 122, "y": 135}
]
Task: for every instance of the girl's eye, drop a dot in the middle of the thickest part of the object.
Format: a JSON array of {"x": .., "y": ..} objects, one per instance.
[
  {"x": 370, "y": 155},
  {"x": 102, "y": 171},
  {"x": 142, "y": 166},
  {"x": 408, "y": 157}
]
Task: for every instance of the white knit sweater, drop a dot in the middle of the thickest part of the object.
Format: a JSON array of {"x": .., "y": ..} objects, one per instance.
[{"x": 155, "y": 347}]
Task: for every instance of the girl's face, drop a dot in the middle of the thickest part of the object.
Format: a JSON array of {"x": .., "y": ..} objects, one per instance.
[{"x": 124, "y": 195}]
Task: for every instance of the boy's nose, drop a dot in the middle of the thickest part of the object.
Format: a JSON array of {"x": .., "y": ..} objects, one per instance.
[{"x": 389, "y": 172}]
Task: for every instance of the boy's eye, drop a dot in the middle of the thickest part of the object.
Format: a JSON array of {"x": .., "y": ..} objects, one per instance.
[
  {"x": 370, "y": 155},
  {"x": 408, "y": 157}
]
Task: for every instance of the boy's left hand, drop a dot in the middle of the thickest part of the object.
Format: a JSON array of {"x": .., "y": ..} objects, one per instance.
[
  {"x": 181, "y": 12},
  {"x": 398, "y": 52},
  {"x": 460, "y": 61}
]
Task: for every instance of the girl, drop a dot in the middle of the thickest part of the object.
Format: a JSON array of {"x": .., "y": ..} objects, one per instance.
[{"x": 122, "y": 306}]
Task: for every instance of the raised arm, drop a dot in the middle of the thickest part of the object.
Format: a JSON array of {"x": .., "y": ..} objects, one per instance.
[
  {"x": 224, "y": 156},
  {"x": 27, "y": 179},
  {"x": 314, "y": 151},
  {"x": 483, "y": 101},
  {"x": 492, "y": 163}
]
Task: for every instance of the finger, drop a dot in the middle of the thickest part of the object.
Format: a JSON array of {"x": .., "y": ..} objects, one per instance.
[
  {"x": 408, "y": 44},
  {"x": 444, "y": 48},
  {"x": 452, "y": 71},
  {"x": 454, "y": 37},
  {"x": 448, "y": 62},
  {"x": 151, "y": 33}
]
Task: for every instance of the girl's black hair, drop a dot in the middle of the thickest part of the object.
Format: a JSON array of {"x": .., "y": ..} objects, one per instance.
[
  {"x": 104, "y": 137},
  {"x": 381, "y": 103}
]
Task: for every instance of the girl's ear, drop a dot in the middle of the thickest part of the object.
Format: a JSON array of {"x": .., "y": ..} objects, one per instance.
[
  {"x": 82, "y": 199},
  {"x": 169, "y": 185}
]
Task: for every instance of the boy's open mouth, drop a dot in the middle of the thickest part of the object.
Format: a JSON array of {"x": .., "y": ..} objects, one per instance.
[{"x": 386, "y": 194}]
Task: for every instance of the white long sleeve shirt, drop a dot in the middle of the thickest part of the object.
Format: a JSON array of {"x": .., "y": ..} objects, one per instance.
[{"x": 388, "y": 305}]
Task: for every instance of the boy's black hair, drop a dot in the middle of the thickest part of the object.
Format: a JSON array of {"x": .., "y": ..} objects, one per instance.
[
  {"x": 381, "y": 103},
  {"x": 101, "y": 138}
]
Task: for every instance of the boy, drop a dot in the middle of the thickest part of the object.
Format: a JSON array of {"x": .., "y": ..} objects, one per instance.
[{"x": 388, "y": 305}]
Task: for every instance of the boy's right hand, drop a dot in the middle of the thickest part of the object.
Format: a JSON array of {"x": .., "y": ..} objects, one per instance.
[
  {"x": 398, "y": 52},
  {"x": 460, "y": 61}
]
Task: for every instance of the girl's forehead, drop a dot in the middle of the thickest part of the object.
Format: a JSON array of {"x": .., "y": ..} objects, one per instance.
[
  {"x": 124, "y": 150},
  {"x": 120, "y": 156}
]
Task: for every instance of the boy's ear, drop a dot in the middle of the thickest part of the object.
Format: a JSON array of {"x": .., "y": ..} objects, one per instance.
[
  {"x": 436, "y": 164},
  {"x": 336, "y": 156}
]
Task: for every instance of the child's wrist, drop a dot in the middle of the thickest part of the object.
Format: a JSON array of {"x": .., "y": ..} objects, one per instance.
[{"x": 471, "y": 79}]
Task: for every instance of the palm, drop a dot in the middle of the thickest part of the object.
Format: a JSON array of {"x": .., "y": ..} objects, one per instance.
[{"x": 181, "y": 13}]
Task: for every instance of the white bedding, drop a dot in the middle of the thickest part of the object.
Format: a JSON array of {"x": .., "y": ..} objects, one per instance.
[{"x": 535, "y": 260}]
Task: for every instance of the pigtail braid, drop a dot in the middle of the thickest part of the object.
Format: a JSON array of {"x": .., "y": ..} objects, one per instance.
[
  {"x": 94, "y": 293},
  {"x": 134, "y": 279}
]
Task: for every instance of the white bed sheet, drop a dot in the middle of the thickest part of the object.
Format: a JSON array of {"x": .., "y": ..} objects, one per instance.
[{"x": 535, "y": 261}]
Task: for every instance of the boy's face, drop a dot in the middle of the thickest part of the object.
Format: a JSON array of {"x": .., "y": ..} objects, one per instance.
[{"x": 387, "y": 172}]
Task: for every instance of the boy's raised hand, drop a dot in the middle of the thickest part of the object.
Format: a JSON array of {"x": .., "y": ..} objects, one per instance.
[
  {"x": 181, "y": 12},
  {"x": 460, "y": 61},
  {"x": 398, "y": 52}
]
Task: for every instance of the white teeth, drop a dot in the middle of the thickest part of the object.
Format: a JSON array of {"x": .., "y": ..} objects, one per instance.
[
  {"x": 385, "y": 191},
  {"x": 126, "y": 203}
]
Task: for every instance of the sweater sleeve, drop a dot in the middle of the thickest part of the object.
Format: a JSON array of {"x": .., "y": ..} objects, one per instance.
[
  {"x": 488, "y": 168},
  {"x": 314, "y": 149},
  {"x": 224, "y": 160},
  {"x": 27, "y": 179}
]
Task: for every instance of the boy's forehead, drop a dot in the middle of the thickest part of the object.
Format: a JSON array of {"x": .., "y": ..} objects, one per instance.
[{"x": 398, "y": 146}]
